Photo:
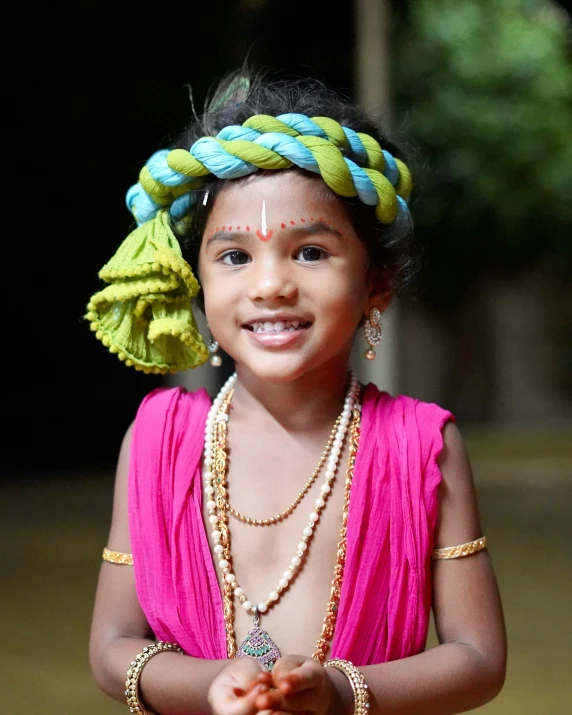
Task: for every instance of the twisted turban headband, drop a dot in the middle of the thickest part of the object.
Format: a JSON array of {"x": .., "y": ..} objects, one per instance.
[{"x": 144, "y": 314}]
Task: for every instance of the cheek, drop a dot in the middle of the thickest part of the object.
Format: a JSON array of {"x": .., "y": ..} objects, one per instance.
[{"x": 346, "y": 287}]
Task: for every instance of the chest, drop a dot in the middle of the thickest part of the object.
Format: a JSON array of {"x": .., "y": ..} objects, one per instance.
[{"x": 265, "y": 480}]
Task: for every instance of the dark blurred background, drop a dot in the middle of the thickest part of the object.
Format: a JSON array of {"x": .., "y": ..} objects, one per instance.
[{"x": 480, "y": 94}]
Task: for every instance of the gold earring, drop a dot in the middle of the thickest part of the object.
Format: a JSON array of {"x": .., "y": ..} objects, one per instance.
[{"x": 372, "y": 332}]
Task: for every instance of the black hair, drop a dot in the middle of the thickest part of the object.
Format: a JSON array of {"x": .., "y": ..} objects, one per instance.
[{"x": 391, "y": 248}]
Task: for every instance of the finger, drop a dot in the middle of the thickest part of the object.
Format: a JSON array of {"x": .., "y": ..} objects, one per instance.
[
  {"x": 234, "y": 704},
  {"x": 287, "y": 664},
  {"x": 297, "y": 682},
  {"x": 276, "y": 701},
  {"x": 306, "y": 676},
  {"x": 261, "y": 679}
]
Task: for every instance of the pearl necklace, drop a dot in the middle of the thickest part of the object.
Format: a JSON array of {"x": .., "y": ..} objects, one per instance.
[{"x": 258, "y": 642}]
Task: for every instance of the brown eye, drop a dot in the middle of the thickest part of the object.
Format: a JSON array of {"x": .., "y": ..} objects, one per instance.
[
  {"x": 235, "y": 258},
  {"x": 311, "y": 254}
]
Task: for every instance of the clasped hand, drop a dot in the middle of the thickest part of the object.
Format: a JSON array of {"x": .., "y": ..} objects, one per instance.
[{"x": 296, "y": 684}]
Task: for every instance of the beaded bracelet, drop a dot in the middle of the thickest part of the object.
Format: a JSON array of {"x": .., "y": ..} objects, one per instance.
[
  {"x": 357, "y": 681},
  {"x": 134, "y": 673}
]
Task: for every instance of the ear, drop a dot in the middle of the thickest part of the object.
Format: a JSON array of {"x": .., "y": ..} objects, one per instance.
[{"x": 380, "y": 293}]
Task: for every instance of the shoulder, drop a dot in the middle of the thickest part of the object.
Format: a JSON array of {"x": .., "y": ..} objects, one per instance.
[
  {"x": 163, "y": 398},
  {"x": 169, "y": 405},
  {"x": 413, "y": 416},
  {"x": 412, "y": 433}
]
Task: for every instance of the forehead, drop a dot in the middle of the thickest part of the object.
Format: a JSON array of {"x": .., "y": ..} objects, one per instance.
[{"x": 286, "y": 194}]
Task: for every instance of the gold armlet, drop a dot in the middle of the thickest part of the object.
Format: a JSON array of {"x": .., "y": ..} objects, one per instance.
[
  {"x": 134, "y": 673},
  {"x": 117, "y": 557},
  {"x": 455, "y": 552},
  {"x": 357, "y": 681}
]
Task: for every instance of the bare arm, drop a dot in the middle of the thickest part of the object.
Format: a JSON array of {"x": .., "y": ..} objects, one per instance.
[
  {"x": 170, "y": 683},
  {"x": 467, "y": 669}
]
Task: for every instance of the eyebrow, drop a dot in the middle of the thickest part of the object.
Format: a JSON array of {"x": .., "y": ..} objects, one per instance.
[
  {"x": 227, "y": 236},
  {"x": 309, "y": 229}
]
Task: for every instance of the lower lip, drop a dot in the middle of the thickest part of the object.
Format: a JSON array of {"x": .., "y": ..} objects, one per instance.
[{"x": 280, "y": 339}]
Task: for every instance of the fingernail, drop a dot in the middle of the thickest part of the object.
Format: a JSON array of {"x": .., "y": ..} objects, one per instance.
[{"x": 239, "y": 692}]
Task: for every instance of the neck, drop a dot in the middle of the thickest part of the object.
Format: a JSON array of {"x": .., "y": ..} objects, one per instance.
[{"x": 307, "y": 402}]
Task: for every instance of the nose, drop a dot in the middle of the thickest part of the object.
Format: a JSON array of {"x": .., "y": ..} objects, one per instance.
[{"x": 271, "y": 280}]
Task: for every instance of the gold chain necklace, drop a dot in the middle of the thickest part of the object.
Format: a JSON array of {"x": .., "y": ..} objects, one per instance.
[
  {"x": 218, "y": 469},
  {"x": 301, "y": 495}
]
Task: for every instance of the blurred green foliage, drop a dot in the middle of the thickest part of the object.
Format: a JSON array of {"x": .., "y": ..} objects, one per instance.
[{"x": 484, "y": 88}]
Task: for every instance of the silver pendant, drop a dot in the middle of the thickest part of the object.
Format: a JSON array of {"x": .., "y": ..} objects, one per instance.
[{"x": 258, "y": 644}]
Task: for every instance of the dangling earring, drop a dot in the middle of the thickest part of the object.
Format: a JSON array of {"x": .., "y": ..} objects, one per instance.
[
  {"x": 372, "y": 332},
  {"x": 212, "y": 346}
]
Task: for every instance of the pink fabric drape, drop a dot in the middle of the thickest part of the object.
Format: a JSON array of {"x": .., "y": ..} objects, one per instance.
[{"x": 385, "y": 599}]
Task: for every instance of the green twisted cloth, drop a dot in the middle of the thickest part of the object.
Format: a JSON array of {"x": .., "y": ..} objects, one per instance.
[{"x": 144, "y": 314}]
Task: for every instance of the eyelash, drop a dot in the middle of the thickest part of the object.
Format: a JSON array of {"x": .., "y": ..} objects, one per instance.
[{"x": 324, "y": 254}]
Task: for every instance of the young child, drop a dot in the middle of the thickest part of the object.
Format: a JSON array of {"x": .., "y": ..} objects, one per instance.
[{"x": 280, "y": 549}]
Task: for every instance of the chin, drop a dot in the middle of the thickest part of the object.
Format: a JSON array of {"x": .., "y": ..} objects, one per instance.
[{"x": 277, "y": 370}]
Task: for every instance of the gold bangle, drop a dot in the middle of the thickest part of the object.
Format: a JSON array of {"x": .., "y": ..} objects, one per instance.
[
  {"x": 117, "y": 557},
  {"x": 357, "y": 681},
  {"x": 134, "y": 673},
  {"x": 455, "y": 552}
]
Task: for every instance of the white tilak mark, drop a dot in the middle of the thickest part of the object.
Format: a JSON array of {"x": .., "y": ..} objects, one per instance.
[
  {"x": 206, "y": 198},
  {"x": 263, "y": 223}
]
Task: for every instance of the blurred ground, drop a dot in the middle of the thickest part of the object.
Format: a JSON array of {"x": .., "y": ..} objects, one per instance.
[{"x": 52, "y": 530}]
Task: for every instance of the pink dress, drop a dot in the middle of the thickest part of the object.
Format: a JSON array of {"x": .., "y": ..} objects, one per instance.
[{"x": 386, "y": 592}]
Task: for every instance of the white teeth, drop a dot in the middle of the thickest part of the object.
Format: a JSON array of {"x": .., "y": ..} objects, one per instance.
[{"x": 278, "y": 326}]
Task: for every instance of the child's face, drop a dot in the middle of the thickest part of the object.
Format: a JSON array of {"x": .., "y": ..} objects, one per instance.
[{"x": 278, "y": 253}]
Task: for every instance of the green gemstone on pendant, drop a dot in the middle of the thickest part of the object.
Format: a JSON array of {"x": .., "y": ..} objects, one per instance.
[{"x": 258, "y": 644}]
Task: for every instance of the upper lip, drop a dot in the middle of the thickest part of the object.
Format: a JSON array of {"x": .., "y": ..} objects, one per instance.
[{"x": 275, "y": 317}]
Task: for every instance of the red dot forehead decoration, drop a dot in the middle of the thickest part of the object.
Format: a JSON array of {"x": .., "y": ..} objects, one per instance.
[{"x": 266, "y": 236}]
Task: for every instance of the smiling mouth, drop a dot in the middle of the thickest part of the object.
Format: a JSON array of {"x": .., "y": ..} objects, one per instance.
[{"x": 278, "y": 326}]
